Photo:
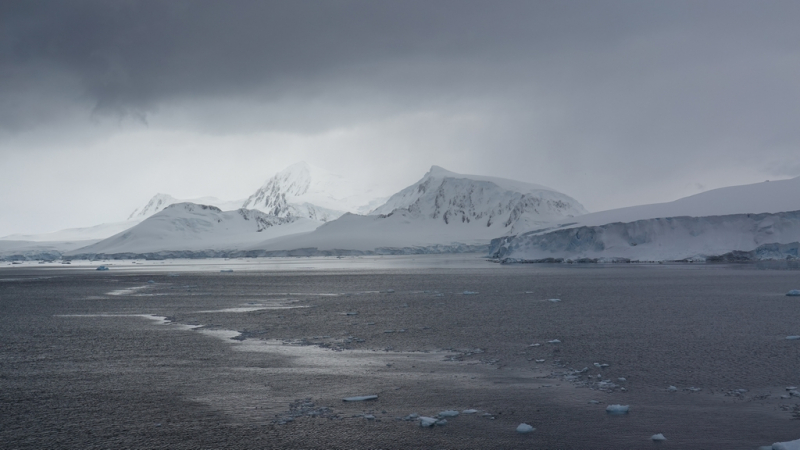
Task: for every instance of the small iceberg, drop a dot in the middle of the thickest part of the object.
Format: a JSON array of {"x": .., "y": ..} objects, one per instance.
[
  {"x": 672, "y": 389},
  {"x": 792, "y": 338},
  {"x": 554, "y": 300},
  {"x": 554, "y": 341},
  {"x": 790, "y": 445},
  {"x": 360, "y": 398},
  {"x": 617, "y": 409},
  {"x": 793, "y": 293},
  {"x": 102, "y": 268},
  {"x": 469, "y": 411},
  {"x": 448, "y": 413},
  {"x": 427, "y": 422},
  {"x": 658, "y": 437},
  {"x": 524, "y": 428}
]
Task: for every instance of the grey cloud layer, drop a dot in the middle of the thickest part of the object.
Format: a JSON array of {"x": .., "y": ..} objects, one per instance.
[{"x": 130, "y": 57}]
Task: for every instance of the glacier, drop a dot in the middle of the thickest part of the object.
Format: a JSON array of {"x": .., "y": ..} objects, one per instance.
[{"x": 712, "y": 238}]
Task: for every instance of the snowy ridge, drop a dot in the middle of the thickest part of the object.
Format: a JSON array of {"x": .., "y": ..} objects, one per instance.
[
  {"x": 662, "y": 239},
  {"x": 302, "y": 190},
  {"x": 160, "y": 201},
  {"x": 96, "y": 232},
  {"x": 192, "y": 227},
  {"x": 507, "y": 206},
  {"x": 766, "y": 197}
]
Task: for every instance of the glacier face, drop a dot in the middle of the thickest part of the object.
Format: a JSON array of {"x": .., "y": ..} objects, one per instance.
[
  {"x": 659, "y": 239},
  {"x": 506, "y": 206},
  {"x": 302, "y": 190}
]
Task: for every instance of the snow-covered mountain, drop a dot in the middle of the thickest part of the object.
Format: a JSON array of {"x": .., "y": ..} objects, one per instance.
[
  {"x": 443, "y": 208},
  {"x": 161, "y": 201},
  {"x": 738, "y": 218},
  {"x": 191, "y": 227},
  {"x": 302, "y": 190},
  {"x": 506, "y": 206}
]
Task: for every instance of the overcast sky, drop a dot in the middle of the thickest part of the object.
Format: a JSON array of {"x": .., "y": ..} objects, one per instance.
[{"x": 105, "y": 103}]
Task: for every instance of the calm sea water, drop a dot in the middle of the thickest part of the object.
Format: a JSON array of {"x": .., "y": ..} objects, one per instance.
[{"x": 86, "y": 359}]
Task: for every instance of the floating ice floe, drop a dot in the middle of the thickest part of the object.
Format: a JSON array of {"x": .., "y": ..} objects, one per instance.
[
  {"x": 617, "y": 409},
  {"x": 470, "y": 293},
  {"x": 369, "y": 417},
  {"x": 594, "y": 402},
  {"x": 441, "y": 422},
  {"x": 554, "y": 341},
  {"x": 791, "y": 388},
  {"x": 448, "y": 413},
  {"x": 554, "y": 300},
  {"x": 539, "y": 360},
  {"x": 790, "y": 445},
  {"x": 601, "y": 366},
  {"x": 792, "y": 338},
  {"x": 672, "y": 389},
  {"x": 102, "y": 268},
  {"x": 694, "y": 389},
  {"x": 426, "y": 422},
  {"x": 360, "y": 398},
  {"x": 534, "y": 345},
  {"x": 658, "y": 437},
  {"x": 606, "y": 384},
  {"x": 469, "y": 411},
  {"x": 525, "y": 428},
  {"x": 621, "y": 379},
  {"x": 412, "y": 416},
  {"x": 793, "y": 293}
]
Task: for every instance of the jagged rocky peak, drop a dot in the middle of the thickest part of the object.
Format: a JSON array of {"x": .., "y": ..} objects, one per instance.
[
  {"x": 156, "y": 204},
  {"x": 450, "y": 197},
  {"x": 302, "y": 190}
]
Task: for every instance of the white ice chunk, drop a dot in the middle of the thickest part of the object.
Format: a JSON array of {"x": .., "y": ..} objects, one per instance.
[
  {"x": 426, "y": 422},
  {"x": 441, "y": 422},
  {"x": 792, "y": 338},
  {"x": 793, "y": 293},
  {"x": 621, "y": 379},
  {"x": 554, "y": 300},
  {"x": 448, "y": 413},
  {"x": 658, "y": 437},
  {"x": 789, "y": 445},
  {"x": 617, "y": 409},
  {"x": 525, "y": 428},
  {"x": 360, "y": 398},
  {"x": 539, "y": 360},
  {"x": 469, "y": 411},
  {"x": 554, "y": 341},
  {"x": 672, "y": 389}
]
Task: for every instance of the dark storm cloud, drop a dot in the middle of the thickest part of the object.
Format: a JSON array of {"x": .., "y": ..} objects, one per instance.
[
  {"x": 591, "y": 85},
  {"x": 128, "y": 57}
]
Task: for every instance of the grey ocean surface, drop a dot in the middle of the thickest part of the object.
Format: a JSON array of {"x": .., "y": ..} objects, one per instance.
[{"x": 178, "y": 354}]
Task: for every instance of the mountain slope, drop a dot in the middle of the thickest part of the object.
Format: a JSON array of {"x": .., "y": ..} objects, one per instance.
[
  {"x": 161, "y": 201},
  {"x": 443, "y": 208},
  {"x": 302, "y": 190},
  {"x": 506, "y": 205},
  {"x": 191, "y": 227}
]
